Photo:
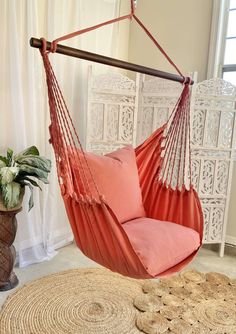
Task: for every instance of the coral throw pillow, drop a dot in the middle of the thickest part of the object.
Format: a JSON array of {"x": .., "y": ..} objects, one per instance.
[{"x": 116, "y": 176}]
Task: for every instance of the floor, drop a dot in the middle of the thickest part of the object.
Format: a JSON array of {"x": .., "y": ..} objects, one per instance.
[{"x": 70, "y": 257}]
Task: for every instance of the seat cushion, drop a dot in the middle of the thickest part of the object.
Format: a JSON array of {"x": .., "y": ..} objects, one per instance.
[
  {"x": 161, "y": 245},
  {"x": 116, "y": 176}
]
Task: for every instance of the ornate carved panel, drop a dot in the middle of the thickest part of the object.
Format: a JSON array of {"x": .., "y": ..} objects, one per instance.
[
  {"x": 103, "y": 148},
  {"x": 112, "y": 111},
  {"x": 213, "y": 224},
  {"x": 126, "y": 124},
  {"x": 112, "y": 98},
  {"x": 216, "y": 87},
  {"x": 207, "y": 177},
  {"x": 222, "y": 177},
  {"x": 217, "y": 223},
  {"x": 212, "y": 124},
  {"x": 157, "y": 99},
  {"x": 213, "y": 128},
  {"x": 112, "y": 133},
  {"x": 213, "y": 201},
  {"x": 145, "y": 124},
  {"x": 196, "y": 167},
  {"x": 161, "y": 87},
  {"x": 226, "y": 129},
  {"x": 206, "y": 215},
  {"x": 96, "y": 121},
  {"x": 161, "y": 115},
  {"x": 201, "y": 103},
  {"x": 213, "y": 211},
  {"x": 198, "y": 124},
  {"x": 208, "y": 153},
  {"x": 114, "y": 82}
]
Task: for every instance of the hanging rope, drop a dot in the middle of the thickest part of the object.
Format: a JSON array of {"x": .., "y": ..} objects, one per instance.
[
  {"x": 121, "y": 18},
  {"x": 64, "y": 133},
  {"x": 177, "y": 143}
]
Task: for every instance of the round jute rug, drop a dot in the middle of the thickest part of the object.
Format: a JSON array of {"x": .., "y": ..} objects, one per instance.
[
  {"x": 189, "y": 303},
  {"x": 83, "y": 301}
]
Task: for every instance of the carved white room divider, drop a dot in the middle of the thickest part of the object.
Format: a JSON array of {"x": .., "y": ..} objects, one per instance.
[
  {"x": 157, "y": 98},
  {"x": 112, "y": 112},
  {"x": 122, "y": 111},
  {"x": 213, "y": 146}
]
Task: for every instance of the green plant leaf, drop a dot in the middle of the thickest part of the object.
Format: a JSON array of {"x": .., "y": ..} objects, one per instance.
[
  {"x": 33, "y": 171},
  {"x": 23, "y": 175},
  {"x": 31, "y": 199},
  {"x": 11, "y": 194},
  {"x": 25, "y": 178},
  {"x": 8, "y": 174},
  {"x": 4, "y": 159},
  {"x": 2, "y": 164},
  {"x": 32, "y": 150},
  {"x": 35, "y": 161},
  {"x": 9, "y": 156}
]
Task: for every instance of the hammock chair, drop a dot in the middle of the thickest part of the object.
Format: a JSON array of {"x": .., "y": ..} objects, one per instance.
[{"x": 133, "y": 211}]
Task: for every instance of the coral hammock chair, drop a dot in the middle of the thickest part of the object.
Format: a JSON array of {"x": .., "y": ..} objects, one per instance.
[{"x": 167, "y": 237}]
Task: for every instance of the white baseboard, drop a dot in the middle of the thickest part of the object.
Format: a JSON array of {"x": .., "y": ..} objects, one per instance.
[{"x": 230, "y": 240}]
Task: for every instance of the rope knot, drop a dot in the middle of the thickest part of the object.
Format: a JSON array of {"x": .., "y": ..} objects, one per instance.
[
  {"x": 187, "y": 81},
  {"x": 53, "y": 47},
  {"x": 44, "y": 45}
]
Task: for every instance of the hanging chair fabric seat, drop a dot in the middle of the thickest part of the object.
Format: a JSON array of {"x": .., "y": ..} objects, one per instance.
[
  {"x": 134, "y": 211},
  {"x": 159, "y": 243}
]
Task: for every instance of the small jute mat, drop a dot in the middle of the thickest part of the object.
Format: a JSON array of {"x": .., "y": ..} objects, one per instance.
[
  {"x": 189, "y": 303},
  {"x": 83, "y": 301}
]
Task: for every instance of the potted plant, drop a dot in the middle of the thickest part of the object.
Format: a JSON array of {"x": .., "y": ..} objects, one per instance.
[{"x": 16, "y": 172}]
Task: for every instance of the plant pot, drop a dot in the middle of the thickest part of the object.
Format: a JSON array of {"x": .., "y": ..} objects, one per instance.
[{"x": 8, "y": 228}]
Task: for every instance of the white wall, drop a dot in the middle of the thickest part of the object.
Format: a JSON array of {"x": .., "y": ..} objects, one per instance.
[
  {"x": 123, "y": 32},
  {"x": 183, "y": 29}
]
